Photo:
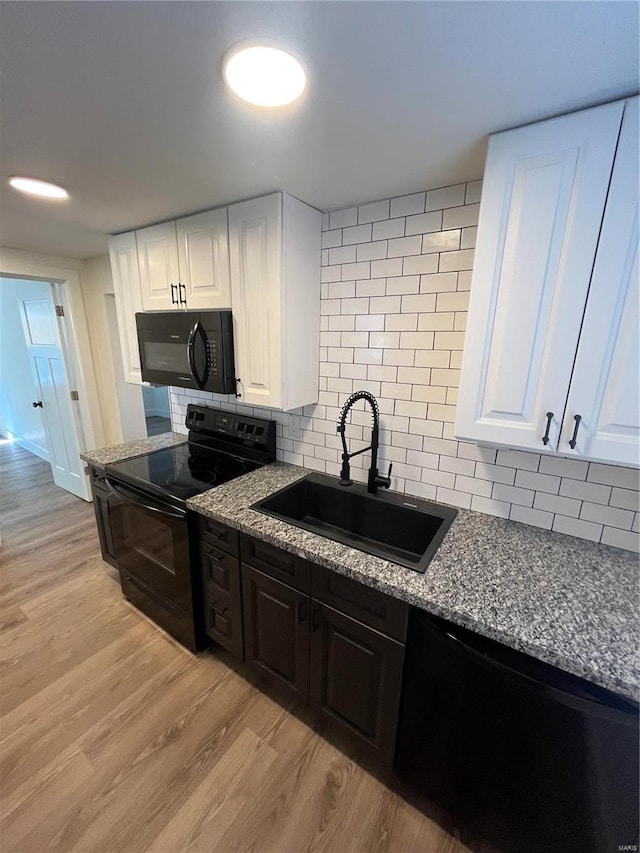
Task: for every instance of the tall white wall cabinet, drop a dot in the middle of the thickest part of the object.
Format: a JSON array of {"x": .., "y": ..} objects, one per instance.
[
  {"x": 551, "y": 350},
  {"x": 262, "y": 259}
]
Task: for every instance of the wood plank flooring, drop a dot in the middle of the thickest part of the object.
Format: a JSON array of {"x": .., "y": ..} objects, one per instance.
[{"x": 114, "y": 738}]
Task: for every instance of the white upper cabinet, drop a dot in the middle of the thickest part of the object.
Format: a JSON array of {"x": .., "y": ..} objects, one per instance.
[
  {"x": 203, "y": 256},
  {"x": 604, "y": 394},
  {"x": 274, "y": 253},
  {"x": 126, "y": 284},
  {"x": 544, "y": 193},
  {"x": 159, "y": 271}
]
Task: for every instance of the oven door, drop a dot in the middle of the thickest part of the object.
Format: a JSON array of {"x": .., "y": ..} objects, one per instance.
[{"x": 150, "y": 540}]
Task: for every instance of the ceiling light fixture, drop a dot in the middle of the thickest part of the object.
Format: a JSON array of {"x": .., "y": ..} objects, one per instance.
[
  {"x": 40, "y": 188},
  {"x": 264, "y": 75}
]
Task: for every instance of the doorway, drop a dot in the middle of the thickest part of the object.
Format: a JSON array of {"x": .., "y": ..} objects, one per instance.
[
  {"x": 156, "y": 409},
  {"x": 38, "y": 392}
]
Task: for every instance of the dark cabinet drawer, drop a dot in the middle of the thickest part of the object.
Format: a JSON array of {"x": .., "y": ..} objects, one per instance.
[
  {"x": 218, "y": 534},
  {"x": 367, "y": 605},
  {"x": 274, "y": 562},
  {"x": 223, "y": 621},
  {"x": 220, "y": 571}
]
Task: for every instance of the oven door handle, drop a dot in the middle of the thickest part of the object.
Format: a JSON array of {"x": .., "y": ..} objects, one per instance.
[
  {"x": 198, "y": 329},
  {"x": 133, "y": 498}
]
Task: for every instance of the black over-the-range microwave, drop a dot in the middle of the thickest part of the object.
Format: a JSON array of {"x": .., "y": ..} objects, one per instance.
[{"x": 187, "y": 349}]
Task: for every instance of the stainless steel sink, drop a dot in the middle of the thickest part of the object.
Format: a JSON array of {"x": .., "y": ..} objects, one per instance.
[{"x": 397, "y": 528}]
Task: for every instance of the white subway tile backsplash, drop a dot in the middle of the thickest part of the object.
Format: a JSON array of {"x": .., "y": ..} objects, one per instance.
[
  {"x": 356, "y": 234},
  {"x": 474, "y": 191},
  {"x": 401, "y": 285},
  {"x": 402, "y": 246},
  {"x": 612, "y": 475},
  {"x": 406, "y": 205},
  {"x": 445, "y": 197},
  {"x": 608, "y": 515},
  {"x": 461, "y": 217},
  {"x": 620, "y": 538},
  {"x": 572, "y": 468},
  {"x": 490, "y": 506},
  {"x": 394, "y": 297},
  {"x": 462, "y": 260},
  {"x": 585, "y": 491},
  {"x": 557, "y": 504},
  {"x": 342, "y": 218},
  {"x": 388, "y": 228},
  {"x": 535, "y": 517},
  {"x": 439, "y": 282},
  {"x": 538, "y": 482},
  {"x": 423, "y": 223},
  {"x": 373, "y": 211},
  {"x": 330, "y": 239},
  {"x": 420, "y": 264},
  {"x": 625, "y": 499},
  {"x": 575, "y": 527},
  {"x": 386, "y": 268}
]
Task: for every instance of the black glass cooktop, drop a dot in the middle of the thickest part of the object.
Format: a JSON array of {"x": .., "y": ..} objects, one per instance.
[{"x": 182, "y": 471}]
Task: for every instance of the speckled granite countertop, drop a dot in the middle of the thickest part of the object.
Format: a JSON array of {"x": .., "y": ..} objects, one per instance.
[
  {"x": 119, "y": 452},
  {"x": 566, "y": 601}
]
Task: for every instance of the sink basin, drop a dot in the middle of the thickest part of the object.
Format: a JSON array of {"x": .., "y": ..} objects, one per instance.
[{"x": 398, "y": 528}]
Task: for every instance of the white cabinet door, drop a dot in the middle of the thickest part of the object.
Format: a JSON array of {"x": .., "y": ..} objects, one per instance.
[
  {"x": 544, "y": 193},
  {"x": 255, "y": 241},
  {"x": 606, "y": 377},
  {"x": 126, "y": 284},
  {"x": 159, "y": 270},
  {"x": 203, "y": 252}
]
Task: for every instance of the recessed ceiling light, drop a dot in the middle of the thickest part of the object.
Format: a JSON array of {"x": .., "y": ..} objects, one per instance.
[
  {"x": 39, "y": 188},
  {"x": 264, "y": 75}
]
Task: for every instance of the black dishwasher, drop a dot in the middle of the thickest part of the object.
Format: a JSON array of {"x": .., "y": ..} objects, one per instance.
[{"x": 519, "y": 753}]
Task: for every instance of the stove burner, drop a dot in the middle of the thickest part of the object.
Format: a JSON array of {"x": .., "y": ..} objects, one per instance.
[
  {"x": 230, "y": 467},
  {"x": 187, "y": 481}
]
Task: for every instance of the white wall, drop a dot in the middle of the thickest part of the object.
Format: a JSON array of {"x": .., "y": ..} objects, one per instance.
[
  {"x": 396, "y": 276},
  {"x": 156, "y": 401},
  {"x": 18, "y": 418}
]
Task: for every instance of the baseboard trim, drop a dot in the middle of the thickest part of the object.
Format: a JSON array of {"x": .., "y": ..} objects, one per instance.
[{"x": 41, "y": 452}]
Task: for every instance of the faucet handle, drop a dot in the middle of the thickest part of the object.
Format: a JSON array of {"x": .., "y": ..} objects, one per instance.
[{"x": 389, "y": 471}]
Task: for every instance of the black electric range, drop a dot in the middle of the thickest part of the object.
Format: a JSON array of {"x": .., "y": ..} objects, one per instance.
[{"x": 149, "y": 524}]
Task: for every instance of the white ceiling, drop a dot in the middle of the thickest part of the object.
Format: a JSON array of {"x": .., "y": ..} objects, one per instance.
[{"x": 123, "y": 104}]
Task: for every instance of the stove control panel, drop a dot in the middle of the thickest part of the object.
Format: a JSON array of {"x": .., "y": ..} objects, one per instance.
[{"x": 243, "y": 431}]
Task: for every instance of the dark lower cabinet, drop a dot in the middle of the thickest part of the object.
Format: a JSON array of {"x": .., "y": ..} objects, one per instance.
[
  {"x": 101, "y": 509},
  {"x": 276, "y": 631},
  {"x": 356, "y": 677}
]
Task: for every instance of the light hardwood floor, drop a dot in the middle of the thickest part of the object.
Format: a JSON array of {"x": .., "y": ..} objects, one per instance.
[{"x": 114, "y": 738}]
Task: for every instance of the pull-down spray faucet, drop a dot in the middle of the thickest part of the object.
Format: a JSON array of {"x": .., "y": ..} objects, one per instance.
[{"x": 374, "y": 479}]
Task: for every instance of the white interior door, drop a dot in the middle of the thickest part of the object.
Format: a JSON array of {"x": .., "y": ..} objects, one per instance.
[
  {"x": 544, "y": 193},
  {"x": 605, "y": 388},
  {"x": 54, "y": 394}
]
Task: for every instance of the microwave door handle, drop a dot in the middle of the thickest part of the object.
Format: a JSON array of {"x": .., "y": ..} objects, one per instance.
[
  {"x": 191, "y": 355},
  {"x": 120, "y": 492}
]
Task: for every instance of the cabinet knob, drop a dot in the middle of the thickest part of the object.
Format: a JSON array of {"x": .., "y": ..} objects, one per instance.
[{"x": 545, "y": 437}]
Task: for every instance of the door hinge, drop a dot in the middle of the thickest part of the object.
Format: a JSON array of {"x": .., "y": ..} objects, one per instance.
[
  {"x": 59, "y": 310},
  {"x": 74, "y": 396}
]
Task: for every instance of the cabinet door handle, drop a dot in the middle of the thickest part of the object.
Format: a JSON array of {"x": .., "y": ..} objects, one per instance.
[
  {"x": 574, "y": 437},
  {"x": 545, "y": 437},
  {"x": 174, "y": 298},
  {"x": 183, "y": 299},
  {"x": 219, "y": 610},
  {"x": 302, "y": 611},
  {"x": 315, "y": 619}
]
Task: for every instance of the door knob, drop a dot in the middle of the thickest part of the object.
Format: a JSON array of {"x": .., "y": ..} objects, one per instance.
[{"x": 37, "y": 405}]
